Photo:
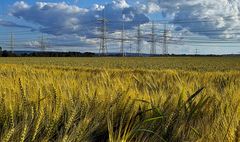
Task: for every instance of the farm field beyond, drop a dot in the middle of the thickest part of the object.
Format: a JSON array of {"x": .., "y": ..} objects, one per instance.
[
  {"x": 168, "y": 99},
  {"x": 148, "y": 63}
]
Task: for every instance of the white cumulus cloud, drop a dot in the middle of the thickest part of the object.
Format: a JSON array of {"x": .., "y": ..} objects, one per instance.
[
  {"x": 219, "y": 16},
  {"x": 61, "y": 18}
]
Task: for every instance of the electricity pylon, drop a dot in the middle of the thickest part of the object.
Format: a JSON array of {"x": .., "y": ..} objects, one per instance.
[{"x": 103, "y": 30}]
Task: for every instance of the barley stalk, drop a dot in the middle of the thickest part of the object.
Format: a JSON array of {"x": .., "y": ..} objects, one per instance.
[
  {"x": 38, "y": 123},
  {"x": 70, "y": 121},
  {"x": 9, "y": 135},
  {"x": 24, "y": 132}
]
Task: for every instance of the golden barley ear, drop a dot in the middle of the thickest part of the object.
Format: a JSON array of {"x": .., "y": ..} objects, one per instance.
[
  {"x": 70, "y": 121},
  {"x": 11, "y": 117},
  {"x": 22, "y": 93},
  {"x": 24, "y": 132},
  {"x": 37, "y": 125},
  {"x": 9, "y": 135}
]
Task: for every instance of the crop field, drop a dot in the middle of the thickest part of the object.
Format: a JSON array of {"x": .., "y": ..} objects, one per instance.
[{"x": 168, "y": 99}]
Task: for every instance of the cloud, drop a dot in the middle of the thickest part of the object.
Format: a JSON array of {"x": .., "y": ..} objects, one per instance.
[
  {"x": 56, "y": 42},
  {"x": 120, "y": 4},
  {"x": 61, "y": 18},
  {"x": 72, "y": 40},
  {"x": 12, "y": 24},
  {"x": 152, "y": 8},
  {"x": 97, "y": 7},
  {"x": 218, "y": 18},
  {"x": 35, "y": 44}
]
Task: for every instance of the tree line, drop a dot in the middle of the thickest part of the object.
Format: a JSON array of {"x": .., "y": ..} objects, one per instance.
[{"x": 45, "y": 54}]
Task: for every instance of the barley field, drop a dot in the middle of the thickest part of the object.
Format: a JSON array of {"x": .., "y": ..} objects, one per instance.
[{"x": 168, "y": 99}]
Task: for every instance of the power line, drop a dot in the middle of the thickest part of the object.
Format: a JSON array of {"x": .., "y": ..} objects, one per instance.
[{"x": 162, "y": 36}]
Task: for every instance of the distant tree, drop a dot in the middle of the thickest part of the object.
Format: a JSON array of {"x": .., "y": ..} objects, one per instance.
[{"x": 5, "y": 53}]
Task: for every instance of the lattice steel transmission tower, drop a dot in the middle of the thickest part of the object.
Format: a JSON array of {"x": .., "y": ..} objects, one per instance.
[
  {"x": 130, "y": 48},
  {"x": 103, "y": 38},
  {"x": 165, "y": 40},
  {"x": 196, "y": 51},
  {"x": 139, "y": 40},
  {"x": 12, "y": 42},
  {"x": 42, "y": 43},
  {"x": 122, "y": 40},
  {"x": 153, "y": 40}
]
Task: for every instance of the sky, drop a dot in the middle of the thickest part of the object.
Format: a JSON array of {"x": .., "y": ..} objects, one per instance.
[{"x": 193, "y": 27}]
